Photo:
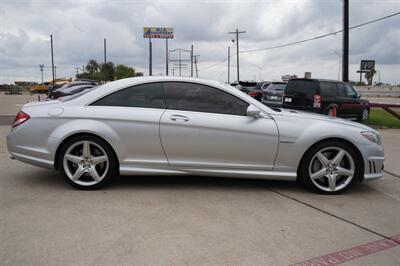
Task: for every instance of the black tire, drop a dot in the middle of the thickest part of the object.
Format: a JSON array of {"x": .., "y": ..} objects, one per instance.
[
  {"x": 363, "y": 116},
  {"x": 110, "y": 173},
  {"x": 304, "y": 167}
]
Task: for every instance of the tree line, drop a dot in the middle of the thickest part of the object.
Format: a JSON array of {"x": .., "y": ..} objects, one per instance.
[{"x": 107, "y": 71}]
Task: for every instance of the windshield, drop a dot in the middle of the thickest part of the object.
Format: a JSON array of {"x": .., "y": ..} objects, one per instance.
[
  {"x": 71, "y": 97},
  {"x": 76, "y": 88}
]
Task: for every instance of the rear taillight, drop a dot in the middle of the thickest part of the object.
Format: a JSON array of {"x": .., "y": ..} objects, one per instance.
[
  {"x": 20, "y": 118},
  {"x": 252, "y": 94},
  {"x": 317, "y": 101}
]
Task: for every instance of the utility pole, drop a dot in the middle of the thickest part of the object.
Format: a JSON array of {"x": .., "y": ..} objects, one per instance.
[
  {"x": 52, "y": 57},
  {"x": 150, "y": 58},
  {"x": 229, "y": 63},
  {"x": 195, "y": 57},
  {"x": 340, "y": 62},
  {"x": 77, "y": 71},
  {"x": 105, "y": 51},
  {"x": 41, "y": 71},
  {"x": 237, "y": 32},
  {"x": 180, "y": 63},
  {"x": 191, "y": 61},
  {"x": 345, "y": 61},
  {"x": 166, "y": 56}
]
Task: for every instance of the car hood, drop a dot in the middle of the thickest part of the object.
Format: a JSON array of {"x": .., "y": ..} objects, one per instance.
[{"x": 314, "y": 116}]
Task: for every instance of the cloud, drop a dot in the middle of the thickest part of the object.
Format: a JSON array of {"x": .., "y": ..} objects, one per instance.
[{"x": 79, "y": 27}]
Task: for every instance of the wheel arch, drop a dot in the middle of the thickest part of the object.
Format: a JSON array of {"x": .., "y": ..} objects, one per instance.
[
  {"x": 342, "y": 140},
  {"x": 80, "y": 134}
]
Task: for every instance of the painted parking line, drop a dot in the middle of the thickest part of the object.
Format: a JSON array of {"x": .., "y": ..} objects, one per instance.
[{"x": 353, "y": 253}]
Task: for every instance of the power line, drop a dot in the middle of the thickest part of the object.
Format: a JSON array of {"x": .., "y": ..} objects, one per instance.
[
  {"x": 303, "y": 41},
  {"x": 320, "y": 36}
]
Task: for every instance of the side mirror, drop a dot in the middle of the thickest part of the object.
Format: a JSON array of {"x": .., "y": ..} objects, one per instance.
[{"x": 253, "y": 111}]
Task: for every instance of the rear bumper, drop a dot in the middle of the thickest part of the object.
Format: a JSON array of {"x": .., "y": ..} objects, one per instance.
[{"x": 30, "y": 149}]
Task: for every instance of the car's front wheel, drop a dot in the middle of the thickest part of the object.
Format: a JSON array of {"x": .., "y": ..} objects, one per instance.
[
  {"x": 330, "y": 167},
  {"x": 363, "y": 116},
  {"x": 87, "y": 162}
]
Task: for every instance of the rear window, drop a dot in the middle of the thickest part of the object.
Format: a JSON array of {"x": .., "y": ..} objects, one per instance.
[
  {"x": 301, "y": 88},
  {"x": 276, "y": 87}
]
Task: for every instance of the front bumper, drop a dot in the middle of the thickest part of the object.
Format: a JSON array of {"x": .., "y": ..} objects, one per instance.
[{"x": 373, "y": 155}]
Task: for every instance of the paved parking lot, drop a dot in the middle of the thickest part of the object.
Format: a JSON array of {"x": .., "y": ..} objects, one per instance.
[{"x": 196, "y": 220}]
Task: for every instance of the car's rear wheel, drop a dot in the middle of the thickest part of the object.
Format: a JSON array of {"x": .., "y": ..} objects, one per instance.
[
  {"x": 330, "y": 167},
  {"x": 364, "y": 115},
  {"x": 87, "y": 162}
]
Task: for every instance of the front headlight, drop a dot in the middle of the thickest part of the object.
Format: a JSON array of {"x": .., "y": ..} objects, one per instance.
[{"x": 371, "y": 136}]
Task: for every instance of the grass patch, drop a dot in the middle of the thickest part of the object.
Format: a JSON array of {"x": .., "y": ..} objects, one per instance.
[{"x": 382, "y": 119}]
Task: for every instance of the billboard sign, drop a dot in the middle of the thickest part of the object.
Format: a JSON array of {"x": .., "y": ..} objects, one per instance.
[
  {"x": 162, "y": 33},
  {"x": 367, "y": 65}
]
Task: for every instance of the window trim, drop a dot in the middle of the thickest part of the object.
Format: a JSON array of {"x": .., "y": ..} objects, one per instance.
[{"x": 207, "y": 85}]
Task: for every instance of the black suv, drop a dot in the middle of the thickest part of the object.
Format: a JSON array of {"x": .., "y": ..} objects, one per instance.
[{"x": 320, "y": 95}]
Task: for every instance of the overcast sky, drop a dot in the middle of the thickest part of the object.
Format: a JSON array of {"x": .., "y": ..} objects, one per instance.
[{"x": 79, "y": 27}]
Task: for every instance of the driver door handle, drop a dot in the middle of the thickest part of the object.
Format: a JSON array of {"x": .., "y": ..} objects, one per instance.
[{"x": 180, "y": 118}]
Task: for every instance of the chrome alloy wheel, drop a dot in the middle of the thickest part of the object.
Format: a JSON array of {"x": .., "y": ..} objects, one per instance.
[
  {"x": 364, "y": 115},
  {"x": 85, "y": 163},
  {"x": 331, "y": 169}
]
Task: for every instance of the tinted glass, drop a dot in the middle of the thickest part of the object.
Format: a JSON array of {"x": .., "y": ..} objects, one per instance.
[
  {"x": 76, "y": 89},
  {"x": 350, "y": 92},
  {"x": 201, "y": 98},
  {"x": 328, "y": 89},
  {"x": 341, "y": 91},
  {"x": 276, "y": 87},
  {"x": 301, "y": 88},
  {"x": 145, "y": 95}
]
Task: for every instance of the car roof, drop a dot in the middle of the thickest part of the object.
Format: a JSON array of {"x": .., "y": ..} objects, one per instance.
[
  {"x": 110, "y": 87},
  {"x": 324, "y": 80},
  {"x": 278, "y": 82}
]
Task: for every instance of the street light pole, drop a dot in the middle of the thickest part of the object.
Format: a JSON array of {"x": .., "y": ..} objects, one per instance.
[
  {"x": 237, "y": 32},
  {"x": 41, "y": 71},
  {"x": 229, "y": 63},
  {"x": 105, "y": 51},
  {"x": 52, "y": 58},
  {"x": 191, "y": 61}
]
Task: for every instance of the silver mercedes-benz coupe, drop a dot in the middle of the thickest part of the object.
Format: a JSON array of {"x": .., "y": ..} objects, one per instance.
[{"x": 186, "y": 126}]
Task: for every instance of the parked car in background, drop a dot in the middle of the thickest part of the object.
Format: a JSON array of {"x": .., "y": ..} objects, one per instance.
[
  {"x": 250, "y": 88},
  {"x": 273, "y": 94},
  {"x": 321, "y": 96},
  {"x": 70, "y": 91},
  {"x": 56, "y": 91}
]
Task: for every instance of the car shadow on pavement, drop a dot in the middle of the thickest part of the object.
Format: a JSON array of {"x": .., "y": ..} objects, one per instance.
[{"x": 49, "y": 178}]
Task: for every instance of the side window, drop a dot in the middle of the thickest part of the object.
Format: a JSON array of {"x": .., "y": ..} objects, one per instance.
[
  {"x": 341, "y": 91},
  {"x": 328, "y": 89},
  {"x": 201, "y": 98},
  {"x": 146, "y": 95},
  {"x": 350, "y": 92}
]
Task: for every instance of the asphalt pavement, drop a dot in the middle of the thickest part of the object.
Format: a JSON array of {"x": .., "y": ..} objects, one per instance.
[{"x": 195, "y": 220}]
